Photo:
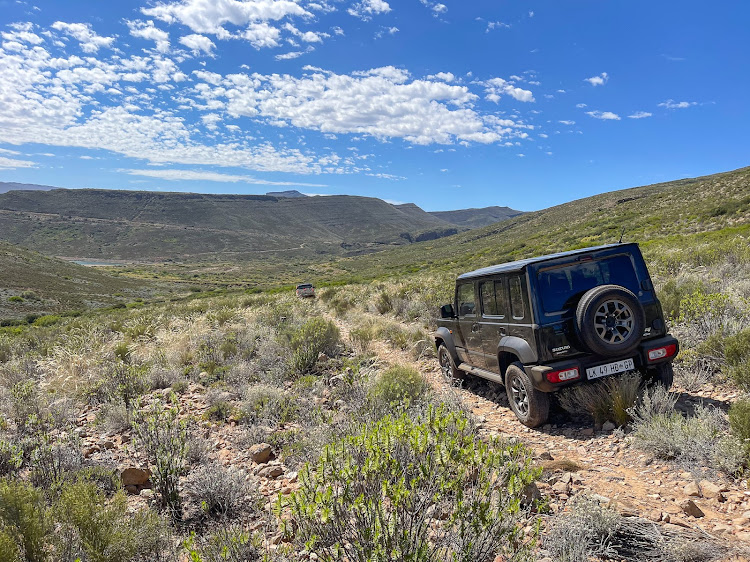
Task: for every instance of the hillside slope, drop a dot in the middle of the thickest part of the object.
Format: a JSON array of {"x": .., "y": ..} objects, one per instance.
[
  {"x": 153, "y": 226},
  {"x": 676, "y": 217},
  {"x": 477, "y": 218},
  {"x": 36, "y": 284}
]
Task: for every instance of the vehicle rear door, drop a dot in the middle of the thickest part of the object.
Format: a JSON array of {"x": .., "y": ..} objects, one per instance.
[
  {"x": 493, "y": 297},
  {"x": 470, "y": 349}
]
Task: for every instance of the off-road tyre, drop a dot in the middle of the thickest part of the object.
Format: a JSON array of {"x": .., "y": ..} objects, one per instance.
[
  {"x": 530, "y": 405},
  {"x": 661, "y": 374},
  {"x": 610, "y": 321},
  {"x": 448, "y": 367}
]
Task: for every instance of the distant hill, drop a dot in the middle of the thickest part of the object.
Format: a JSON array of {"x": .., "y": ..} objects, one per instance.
[
  {"x": 156, "y": 226},
  {"x": 288, "y": 193},
  {"x": 11, "y": 186},
  {"x": 476, "y": 218},
  {"x": 35, "y": 284}
]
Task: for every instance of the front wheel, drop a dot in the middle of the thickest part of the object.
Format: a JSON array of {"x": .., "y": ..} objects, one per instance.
[
  {"x": 530, "y": 405},
  {"x": 447, "y": 365}
]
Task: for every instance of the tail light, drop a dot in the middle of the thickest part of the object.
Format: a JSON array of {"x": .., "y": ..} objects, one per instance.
[
  {"x": 662, "y": 352},
  {"x": 564, "y": 375}
]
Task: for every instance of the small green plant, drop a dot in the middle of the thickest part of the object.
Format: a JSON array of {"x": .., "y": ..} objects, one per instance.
[
  {"x": 418, "y": 490},
  {"x": 218, "y": 490},
  {"x": 739, "y": 421},
  {"x": 229, "y": 544},
  {"x": 268, "y": 404},
  {"x": 399, "y": 384},
  {"x": 219, "y": 411},
  {"x": 361, "y": 337},
  {"x": 314, "y": 337},
  {"x": 24, "y": 518},
  {"x": 737, "y": 354},
  {"x": 15, "y": 298},
  {"x": 607, "y": 400},
  {"x": 163, "y": 437},
  {"x": 11, "y": 457}
]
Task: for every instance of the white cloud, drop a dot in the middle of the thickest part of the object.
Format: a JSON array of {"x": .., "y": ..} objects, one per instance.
[
  {"x": 262, "y": 35},
  {"x": 580, "y": 105},
  {"x": 496, "y": 87},
  {"x": 567, "y": 122},
  {"x": 12, "y": 163},
  {"x": 82, "y": 32},
  {"x": 198, "y": 43},
  {"x": 436, "y": 7},
  {"x": 496, "y": 25},
  {"x": 197, "y": 175},
  {"x": 368, "y": 8},
  {"x": 671, "y": 104},
  {"x": 382, "y": 102},
  {"x": 22, "y": 33},
  {"x": 639, "y": 115},
  {"x": 204, "y": 16},
  {"x": 604, "y": 115},
  {"x": 444, "y": 76},
  {"x": 147, "y": 30},
  {"x": 598, "y": 80}
]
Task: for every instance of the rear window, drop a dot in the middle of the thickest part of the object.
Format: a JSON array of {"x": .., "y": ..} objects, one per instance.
[
  {"x": 305, "y": 286},
  {"x": 562, "y": 287}
]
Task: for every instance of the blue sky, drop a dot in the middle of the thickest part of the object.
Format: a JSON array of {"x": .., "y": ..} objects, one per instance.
[{"x": 445, "y": 104}]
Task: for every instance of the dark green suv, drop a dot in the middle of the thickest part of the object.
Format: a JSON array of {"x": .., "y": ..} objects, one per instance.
[{"x": 540, "y": 324}]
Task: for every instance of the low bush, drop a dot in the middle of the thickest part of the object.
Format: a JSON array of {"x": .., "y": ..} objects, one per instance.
[
  {"x": 605, "y": 400},
  {"x": 217, "y": 490},
  {"x": 268, "y": 404},
  {"x": 229, "y": 544},
  {"x": 11, "y": 457},
  {"x": 314, "y": 337},
  {"x": 398, "y": 384},
  {"x": 737, "y": 355},
  {"x": 462, "y": 500},
  {"x": 697, "y": 441},
  {"x": 163, "y": 437},
  {"x": 361, "y": 337},
  {"x": 25, "y": 519},
  {"x": 739, "y": 420}
]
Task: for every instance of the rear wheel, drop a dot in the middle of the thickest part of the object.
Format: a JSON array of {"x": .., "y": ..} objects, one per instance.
[
  {"x": 530, "y": 405},
  {"x": 662, "y": 374},
  {"x": 447, "y": 364},
  {"x": 610, "y": 320}
]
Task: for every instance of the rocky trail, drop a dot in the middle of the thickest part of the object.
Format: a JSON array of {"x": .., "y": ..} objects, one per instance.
[{"x": 579, "y": 459}]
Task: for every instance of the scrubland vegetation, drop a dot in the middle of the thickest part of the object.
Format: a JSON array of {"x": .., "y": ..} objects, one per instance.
[{"x": 194, "y": 388}]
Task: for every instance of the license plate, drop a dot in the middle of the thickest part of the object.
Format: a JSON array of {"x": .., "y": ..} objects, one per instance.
[{"x": 610, "y": 369}]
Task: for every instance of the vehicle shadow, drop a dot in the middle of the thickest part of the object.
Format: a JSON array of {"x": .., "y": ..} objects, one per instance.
[{"x": 562, "y": 422}]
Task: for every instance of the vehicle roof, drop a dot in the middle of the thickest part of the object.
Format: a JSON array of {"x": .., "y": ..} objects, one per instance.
[{"x": 521, "y": 264}]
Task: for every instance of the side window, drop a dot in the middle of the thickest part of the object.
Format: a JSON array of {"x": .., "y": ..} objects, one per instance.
[
  {"x": 493, "y": 298},
  {"x": 487, "y": 292},
  {"x": 516, "y": 299},
  {"x": 466, "y": 304}
]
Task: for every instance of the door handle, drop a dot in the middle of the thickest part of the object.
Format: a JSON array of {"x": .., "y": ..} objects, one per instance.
[{"x": 476, "y": 327}]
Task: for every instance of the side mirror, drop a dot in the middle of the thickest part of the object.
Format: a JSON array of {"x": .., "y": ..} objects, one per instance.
[{"x": 446, "y": 311}]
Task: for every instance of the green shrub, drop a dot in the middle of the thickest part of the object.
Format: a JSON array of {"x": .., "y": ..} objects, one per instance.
[
  {"x": 739, "y": 420},
  {"x": 462, "y": 499},
  {"x": 314, "y": 337},
  {"x": 268, "y": 404},
  {"x": 163, "y": 437},
  {"x": 44, "y": 321},
  {"x": 11, "y": 457},
  {"x": 605, "y": 400},
  {"x": 104, "y": 530},
  {"x": 673, "y": 292},
  {"x": 24, "y": 517},
  {"x": 220, "y": 411},
  {"x": 228, "y": 544},
  {"x": 737, "y": 355},
  {"x": 361, "y": 337},
  {"x": 15, "y": 298},
  {"x": 399, "y": 384},
  {"x": 9, "y": 550}
]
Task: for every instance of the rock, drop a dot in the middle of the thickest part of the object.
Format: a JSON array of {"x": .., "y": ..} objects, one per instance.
[
  {"x": 337, "y": 379},
  {"x": 587, "y": 432},
  {"x": 710, "y": 490},
  {"x": 271, "y": 472},
  {"x": 692, "y": 490},
  {"x": 546, "y": 456},
  {"x": 261, "y": 453},
  {"x": 531, "y": 494},
  {"x": 147, "y": 493},
  {"x": 132, "y": 490},
  {"x": 608, "y": 426},
  {"x": 689, "y": 508},
  {"x": 135, "y": 476}
]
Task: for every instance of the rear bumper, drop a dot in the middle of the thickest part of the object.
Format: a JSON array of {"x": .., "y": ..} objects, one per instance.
[{"x": 538, "y": 373}]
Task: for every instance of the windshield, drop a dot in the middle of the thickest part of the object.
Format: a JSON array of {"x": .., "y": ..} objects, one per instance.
[
  {"x": 562, "y": 287},
  {"x": 306, "y": 286}
]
